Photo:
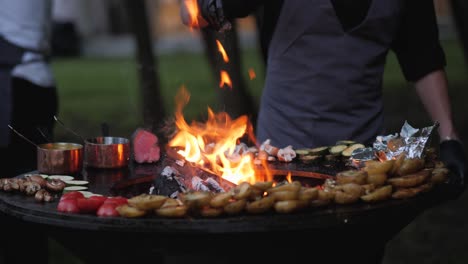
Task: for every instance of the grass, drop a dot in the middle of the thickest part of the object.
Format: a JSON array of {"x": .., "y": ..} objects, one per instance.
[{"x": 95, "y": 90}]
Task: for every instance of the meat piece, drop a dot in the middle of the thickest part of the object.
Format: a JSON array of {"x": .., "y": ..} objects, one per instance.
[{"x": 145, "y": 146}]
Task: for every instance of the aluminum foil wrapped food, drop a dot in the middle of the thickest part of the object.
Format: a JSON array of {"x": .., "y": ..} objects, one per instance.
[{"x": 411, "y": 141}]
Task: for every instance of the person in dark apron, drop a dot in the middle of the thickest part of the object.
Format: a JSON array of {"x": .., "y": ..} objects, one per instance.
[{"x": 326, "y": 62}]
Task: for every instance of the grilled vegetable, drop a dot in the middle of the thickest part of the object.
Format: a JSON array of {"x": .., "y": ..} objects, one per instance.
[
  {"x": 319, "y": 150},
  {"x": 345, "y": 142},
  {"x": 336, "y": 150},
  {"x": 349, "y": 150}
]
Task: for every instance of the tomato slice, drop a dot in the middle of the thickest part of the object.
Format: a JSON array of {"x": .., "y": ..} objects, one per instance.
[
  {"x": 68, "y": 206},
  {"x": 89, "y": 205},
  {"x": 119, "y": 200},
  {"x": 107, "y": 210},
  {"x": 71, "y": 195}
]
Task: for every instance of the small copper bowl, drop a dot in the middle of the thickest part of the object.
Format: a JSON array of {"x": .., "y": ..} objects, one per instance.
[
  {"x": 107, "y": 152},
  {"x": 60, "y": 158}
]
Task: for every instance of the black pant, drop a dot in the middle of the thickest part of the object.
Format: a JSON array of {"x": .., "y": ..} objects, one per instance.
[{"x": 33, "y": 113}]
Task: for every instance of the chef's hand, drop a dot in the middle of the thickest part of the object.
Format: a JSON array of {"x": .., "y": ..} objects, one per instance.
[
  {"x": 454, "y": 157},
  {"x": 210, "y": 14}
]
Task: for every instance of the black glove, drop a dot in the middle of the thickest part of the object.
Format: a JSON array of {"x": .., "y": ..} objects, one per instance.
[
  {"x": 212, "y": 12},
  {"x": 454, "y": 158}
]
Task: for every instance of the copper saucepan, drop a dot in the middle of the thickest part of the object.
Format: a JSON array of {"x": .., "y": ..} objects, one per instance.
[
  {"x": 107, "y": 152},
  {"x": 60, "y": 158}
]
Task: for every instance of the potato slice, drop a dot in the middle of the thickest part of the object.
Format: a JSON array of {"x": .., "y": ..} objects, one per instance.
[
  {"x": 289, "y": 206},
  {"x": 147, "y": 201},
  {"x": 211, "y": 212},
  {"x": 410, "y": 180},
  {"x": 197, "y": 199},
  {"x": 235, "y": 207},
  {"x": 242, "y": 191},
  {"x": 172, "y": 212},
  {"x": 325, "y": 195},
  {"x": 220, "y": 199},
  {"x": 294, "y": 186},
  {"x": 342, "y": 197},
  {"x": 379, "y": 194},
  {"x": 308, "y": 194},
  {"x": 351, "y": 176},
  {"x": 261, "y": 206},
  {"x": 351, "y": 188},
  {"x": 377, "y": 179},
  {"x": 439, "y": 175},
  {"x": 128, "y": 211},
  {"x": 378, "y": 167},
  {"x": 405, "y": 193},
  {"x": 397, "y": 164},
  {"x": 409, "y": 166},
  {"x": 285, "y": 195},
  {"x": 263, "y": 186}
]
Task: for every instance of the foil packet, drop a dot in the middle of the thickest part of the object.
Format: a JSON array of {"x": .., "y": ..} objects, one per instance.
[{"x": 411, "y": 141}]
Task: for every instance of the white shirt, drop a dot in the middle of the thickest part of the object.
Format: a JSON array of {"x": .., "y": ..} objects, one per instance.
[{"x": 26, "y": 23}]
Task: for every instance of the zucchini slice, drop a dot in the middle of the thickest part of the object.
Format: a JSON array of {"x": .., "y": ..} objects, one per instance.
[
  {"x": 310, "y": 158},
  {"x": 336, "y": 150},
  {"x": 61, "y": 177},
  {"x": 76, "y": 182},
  {"x": 345, "y": 142},
  {"x": 302, "y": 152},
  {"x": 349, "y": 150},
  {"x": 74, "y": 188},
  {"x": 319, "y": 150}
]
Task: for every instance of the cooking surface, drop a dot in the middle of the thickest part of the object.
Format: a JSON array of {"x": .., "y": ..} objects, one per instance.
[{"x": 138, "y": 178}]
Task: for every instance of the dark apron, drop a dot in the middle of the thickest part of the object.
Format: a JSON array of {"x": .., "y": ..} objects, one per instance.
[
  {"x": 324, "y": 84},
  {"x": 10, "y": 56}
]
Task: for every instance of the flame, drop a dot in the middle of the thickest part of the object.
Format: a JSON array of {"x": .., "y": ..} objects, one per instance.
[
  {"x": 225, "y": 79},
  {"x": 213, "y": 145},
  {"x": 289, "y": 177},
  {"x": 252, "y": 74},
  {"x": 222, "y": 51},
  {"x": 194, "y": 12}
]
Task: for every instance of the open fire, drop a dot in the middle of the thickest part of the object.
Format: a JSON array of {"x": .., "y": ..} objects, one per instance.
[{"x": 214, "y": 145}]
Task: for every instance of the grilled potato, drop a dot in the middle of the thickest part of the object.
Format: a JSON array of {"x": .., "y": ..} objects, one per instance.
[
  {"x": 128, "y": 211},
  {"x": 235, "y": 207},
  {"x": 308, "y": 194},
  {"x": 405, "y": 193},
  {"x": 220, "y": 199},
  {"x": 439, "y": 175},
  {"x": 289, "y": 206},
  {"x": 379, "y": 194},
  {"x": 410, "y": 180},
  {"x": 351, "y": 176},
  {"x": 172, "y": 212},
  {"x": 409, "y": 166},
  {"x": 378, "y": 167},
  {"x": 377, "y": 179},
  {"x": 147, "y": 201},
  {"x": 261, "y": 206}
]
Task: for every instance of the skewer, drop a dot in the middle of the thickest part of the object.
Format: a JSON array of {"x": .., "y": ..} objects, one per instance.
[
  {"x": 73, "y": 132},
  {"x": 22, "y": 136},
  {"x": 43, "y": 134}
]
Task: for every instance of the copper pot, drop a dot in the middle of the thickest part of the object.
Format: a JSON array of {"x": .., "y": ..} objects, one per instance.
[
  {"x": 107, "y": 152},
  {"x": 60, "y": 158}
]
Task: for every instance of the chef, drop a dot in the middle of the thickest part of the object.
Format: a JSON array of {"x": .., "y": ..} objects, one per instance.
[{"x": 326, "y": 62}]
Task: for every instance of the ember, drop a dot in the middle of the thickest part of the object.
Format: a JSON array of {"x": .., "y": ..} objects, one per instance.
[{"x": 225, "y": 80}]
